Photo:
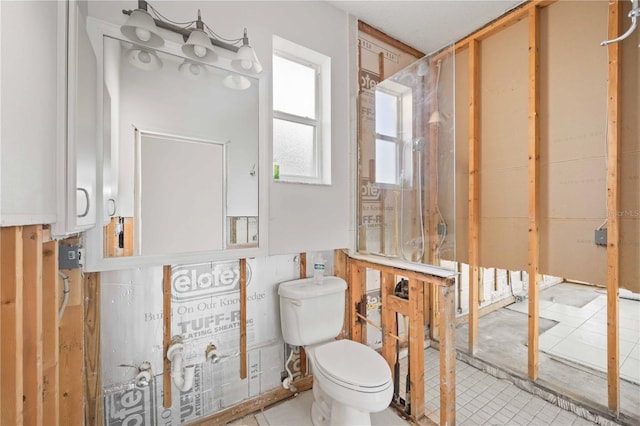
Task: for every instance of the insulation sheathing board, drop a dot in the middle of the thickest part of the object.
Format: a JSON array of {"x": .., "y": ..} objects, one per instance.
[
  {"x": 503, "y": 152},
  {"x": 205, "y": 308},
  {"x": 573, "y": 103}
]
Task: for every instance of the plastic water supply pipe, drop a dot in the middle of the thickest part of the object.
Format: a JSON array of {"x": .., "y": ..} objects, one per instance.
[
  {"x": 633, "y": 14},
  {"x": 182, "y": 376}
]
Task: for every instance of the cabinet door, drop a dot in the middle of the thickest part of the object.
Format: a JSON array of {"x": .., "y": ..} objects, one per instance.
[
  {"x": 78, "y": 210},
  {"x": 28, "y": 105}
]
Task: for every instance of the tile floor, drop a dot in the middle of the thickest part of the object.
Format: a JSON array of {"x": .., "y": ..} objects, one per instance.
[
  {"x": 581, "y": 334},
  {"x": 481, "y": 399}
]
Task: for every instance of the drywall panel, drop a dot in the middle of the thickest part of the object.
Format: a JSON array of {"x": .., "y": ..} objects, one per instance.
[
  {"x": 630, "y": 165},
  {"x": 498, "y": 201},
  {"x": 504, "y": 148},
  {"x": 462, "y": 156},
  {"x": 574, "y": 189},
  {"x": 499, "y": 247},
  {"x": 629, "y": 277},
  {"x": 573, "y": 100},
  {"x": 570, "y": 251}
]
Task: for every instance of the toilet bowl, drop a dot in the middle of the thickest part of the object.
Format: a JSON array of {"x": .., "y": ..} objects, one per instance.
[{"x": 351, "y": 380}]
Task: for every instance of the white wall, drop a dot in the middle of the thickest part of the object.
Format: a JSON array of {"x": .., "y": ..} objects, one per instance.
[{"x": 301, "y": 217}]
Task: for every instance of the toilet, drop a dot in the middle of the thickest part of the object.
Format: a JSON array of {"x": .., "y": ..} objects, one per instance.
[{"x": 351, "y": 380}]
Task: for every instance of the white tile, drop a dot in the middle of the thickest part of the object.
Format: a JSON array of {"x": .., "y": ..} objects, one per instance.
[
  {"x": 629, "y": 334},
  {"x": 581, "y": 353},
  {"x": 635, "y": 352},
  {"x": 297, "y": 412},
  {"x": 560, "y": 330},
  {"x": 548, "y": 341},
  {"x": 630, "y": 370}
]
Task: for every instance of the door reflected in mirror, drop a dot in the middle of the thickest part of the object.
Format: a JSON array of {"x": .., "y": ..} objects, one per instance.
[{"x": 180, "y": 154}]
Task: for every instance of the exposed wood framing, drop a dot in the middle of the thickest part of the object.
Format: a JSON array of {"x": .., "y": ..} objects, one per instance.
[
  {"x": 303, "y": 354},
  {"x": 434, "y": 318},
  {"x": 11, "y": 323},
  {"x": 356, "y": 291},
  {"x": 447, "y": 356},
  {"x": 93, "y": 386},
  {"x": 431, "y": 255},
  {"x": 341, "y": 269},
  {"x": 303, "y": 265},
  {"x": 32, "y": 324},
  {"x": 51, "y": 292},
  {"x": 72, "y": 350},
  {"x": 505, "y": 21},
  {"x": 166, "y": 335},
  {"x": 414, "y": 310},
  {"x": 368, "y": 29},
  {"x": 474, "y": 191},
  {"x": 255, "y": 404},
  {"x": 243, "y": 318},
  {"x": 416, "y": 346},
  {"x": 613, "y": 206},
  {"x": 534, "y": 191}
]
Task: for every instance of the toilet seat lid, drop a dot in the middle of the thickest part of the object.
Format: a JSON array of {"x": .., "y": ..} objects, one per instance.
[{"x": 353, "y": 363}]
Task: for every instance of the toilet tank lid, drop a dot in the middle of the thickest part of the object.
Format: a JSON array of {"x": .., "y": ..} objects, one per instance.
[{"x": 306, "y": 288}]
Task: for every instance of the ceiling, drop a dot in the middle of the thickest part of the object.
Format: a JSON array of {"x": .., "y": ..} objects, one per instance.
[{"x": 426, "y": 25}]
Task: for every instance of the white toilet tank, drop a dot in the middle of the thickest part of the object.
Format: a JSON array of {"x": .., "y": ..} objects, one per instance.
[{"x": 311, "y": 313}]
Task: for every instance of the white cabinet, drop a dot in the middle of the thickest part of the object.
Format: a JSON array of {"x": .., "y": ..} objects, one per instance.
[
  {"x": 29, "y": 99},
  {"x": 77, "y": 155}
]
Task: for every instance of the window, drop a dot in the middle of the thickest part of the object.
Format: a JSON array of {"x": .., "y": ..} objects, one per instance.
[
  {"x": 301, "y": 114},
  {"x": 393, "y": 130},
  {"x": 387, "y": 137}
]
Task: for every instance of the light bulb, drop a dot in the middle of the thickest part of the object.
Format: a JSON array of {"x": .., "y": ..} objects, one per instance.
[
  {"x": 142, "y": 34},
  {"x": 144, "y": 57},
  {"x": 200, "y": 51},
  {"x": 246, "y": 64}
]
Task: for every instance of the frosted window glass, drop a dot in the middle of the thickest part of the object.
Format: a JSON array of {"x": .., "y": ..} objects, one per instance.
[
  {"x": 294, "y": 88},
  {"x": 386, "y": 114},
  {"x": 293, "y": 148},
  {"x": 386, "y": 161}
]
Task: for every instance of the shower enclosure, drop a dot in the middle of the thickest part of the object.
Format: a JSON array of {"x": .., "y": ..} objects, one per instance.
[{"x": 406, "y": 208}]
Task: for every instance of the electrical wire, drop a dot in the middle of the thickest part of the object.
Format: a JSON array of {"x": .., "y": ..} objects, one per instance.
[
  {"x": 234, "y": 41},
  {"x": 65, "y": 294},
  {"x": 161, "y": 16}
]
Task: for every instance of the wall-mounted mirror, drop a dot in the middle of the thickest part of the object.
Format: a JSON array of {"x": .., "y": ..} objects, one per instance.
[{"x": 180, "y": 157}]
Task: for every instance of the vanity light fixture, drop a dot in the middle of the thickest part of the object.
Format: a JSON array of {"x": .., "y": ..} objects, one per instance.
[{"x": 199, "y": 40}]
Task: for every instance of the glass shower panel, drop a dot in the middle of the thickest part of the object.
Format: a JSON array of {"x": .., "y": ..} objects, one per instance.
[{"x": 406, "y": 139}]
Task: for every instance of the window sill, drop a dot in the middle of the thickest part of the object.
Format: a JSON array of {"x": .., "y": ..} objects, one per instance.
[{"x": 299, "y": 182}]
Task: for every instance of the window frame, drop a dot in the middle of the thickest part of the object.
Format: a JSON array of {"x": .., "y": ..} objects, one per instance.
[{"x": 321, "y": 65}]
